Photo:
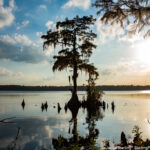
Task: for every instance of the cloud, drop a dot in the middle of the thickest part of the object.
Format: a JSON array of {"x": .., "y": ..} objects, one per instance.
[
  {"x": 41, "y": 135},
  {"x": 43, "y": 7},
  {"x": 39, "y": 34},
  {"x": 84, "y": 4},
  {"x": 107, "y": 72},
  {"x": 20, "y": 48},
  {"x": 24, "y": 23},
  {"x": 49, "y": 24},
  {"x": 6, "y": 14},
  {"x": 132, "y": 67},
  {"x": 48, "y": 131},
  {"x": 12, "y": 4},
  {"x": 16, "y": 39},
  {"x": 5, "y": 72},
  {"x": 108, "y": 32},
  {"x": 8, "y": 39},
  {"x": 125, "y": 71},
  {"x": 113, "y": 31},
  {"x": 9, "y": 74},
  {"x": 19, "y": 78},
  {"x": 126, "y": 67},
  {"x": 22, "y": 39}
]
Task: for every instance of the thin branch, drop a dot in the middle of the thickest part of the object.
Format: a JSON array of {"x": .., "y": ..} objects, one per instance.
[{"x": 5, "y": 120}]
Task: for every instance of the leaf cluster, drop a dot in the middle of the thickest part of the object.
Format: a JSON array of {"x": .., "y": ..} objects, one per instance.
[
  {"x": 125, "y": 12},
  {"x": 69, "y": 33},
  {"x": 76, "y": 39},
  {"x": 137, "y": 136}
]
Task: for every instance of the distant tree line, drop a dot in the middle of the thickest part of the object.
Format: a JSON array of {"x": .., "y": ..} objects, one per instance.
[{"x": 67, "y": 88}]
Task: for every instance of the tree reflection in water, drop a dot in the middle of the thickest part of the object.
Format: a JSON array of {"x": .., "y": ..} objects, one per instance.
[
  {"x": 76, "y": 141},
  {"x": 13, "y": 146},
  {"x": 94, "y": 113}
]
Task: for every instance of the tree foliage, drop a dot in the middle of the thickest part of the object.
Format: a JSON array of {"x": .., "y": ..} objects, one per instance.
[
  {"x": 93, "y": 93},
  {"x": 133, "y": 12},
  {"x": 123, "y": 140},
  {"x": 75, "y": 38},
  {"x": 137, "y": 136}
]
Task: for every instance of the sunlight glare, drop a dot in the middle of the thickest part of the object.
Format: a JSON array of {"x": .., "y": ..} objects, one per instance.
[
  {"x": 145, "y": 92},
  {"x": 143, "y": 51}
]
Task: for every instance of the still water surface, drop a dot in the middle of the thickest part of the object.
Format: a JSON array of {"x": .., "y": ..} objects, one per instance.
[{"x": 37, "y": 128}]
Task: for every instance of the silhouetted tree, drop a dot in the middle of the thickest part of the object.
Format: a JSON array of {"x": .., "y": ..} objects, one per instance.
[
  {"x": 75, "y": 37},
  {"x": 123, "y": 141},
  {"x": 137, "y": 136},
  {"x": 125, "y": 12},
  {"x": 93, "y": 93},
  {"x": 106, "y": 144}
]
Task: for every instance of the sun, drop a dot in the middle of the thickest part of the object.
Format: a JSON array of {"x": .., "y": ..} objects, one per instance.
[{"x": 143, "y": 51}]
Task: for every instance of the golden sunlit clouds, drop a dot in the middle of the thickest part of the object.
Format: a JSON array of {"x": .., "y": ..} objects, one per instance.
[{"x": 126, "y": 71}]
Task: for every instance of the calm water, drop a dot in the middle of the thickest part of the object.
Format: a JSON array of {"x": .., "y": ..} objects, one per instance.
[{"x": 37, "y": 128}]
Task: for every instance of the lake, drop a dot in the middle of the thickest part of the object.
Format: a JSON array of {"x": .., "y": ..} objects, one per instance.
[{"x": 37, "y": 128}]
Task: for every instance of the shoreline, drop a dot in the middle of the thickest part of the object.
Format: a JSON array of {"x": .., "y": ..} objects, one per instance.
[{"x": 67, "y": 88}]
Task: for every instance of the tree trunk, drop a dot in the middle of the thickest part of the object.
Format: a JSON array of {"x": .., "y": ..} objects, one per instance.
[
  {"x": 74, "y": 102},
  {"x": 75, "y": 74},
  {"x": 75, "y": 79}
]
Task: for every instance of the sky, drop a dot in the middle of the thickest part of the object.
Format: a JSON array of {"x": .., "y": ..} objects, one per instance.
[{"x": 121, "y": 58}]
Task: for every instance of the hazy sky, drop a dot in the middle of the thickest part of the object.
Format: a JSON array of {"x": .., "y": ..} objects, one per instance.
[{"x": 119, "y": 57}]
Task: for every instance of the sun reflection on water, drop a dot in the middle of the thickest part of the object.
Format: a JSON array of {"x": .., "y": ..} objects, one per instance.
[{"x": 146, "y": 92}]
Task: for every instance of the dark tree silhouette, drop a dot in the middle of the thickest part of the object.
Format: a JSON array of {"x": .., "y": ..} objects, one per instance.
[
  {"x": 135, "y": 12},
  {"x": 93, "y": 93},
  {"x": 137, "y": 136},
  {"x": 75, "y": 37},
  {"x": 123, "y": 140}
]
